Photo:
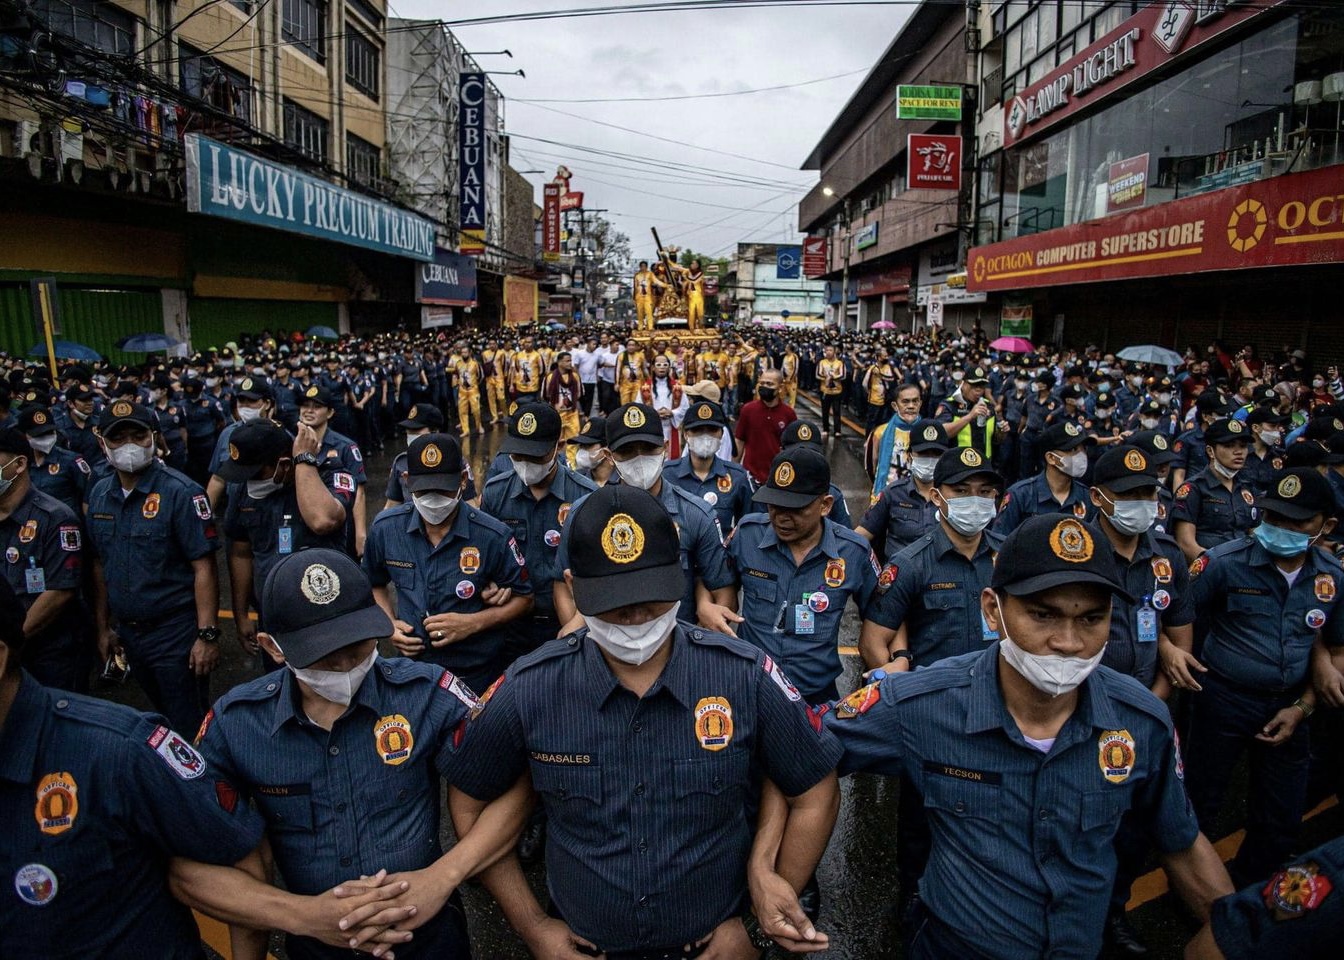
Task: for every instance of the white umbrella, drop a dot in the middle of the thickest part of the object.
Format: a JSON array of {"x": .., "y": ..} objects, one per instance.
[{"x": 1151, "y": 353}]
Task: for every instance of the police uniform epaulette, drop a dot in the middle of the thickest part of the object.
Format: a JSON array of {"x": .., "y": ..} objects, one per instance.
[
  {"x": 708, "y": 638},
  {"x": 483, "y": 519},
  {"x": 943, "y": 675},
  {"x": 1161, "y": 536},
  {"x": 570, "y": 643},
  {"x": 500, "y": 478},
  {"x": 1231, "y": 546},
  {"x": 401, "y": 670},
  {"x": 181, "y": 478},
  {"x": 995, "y": 540},
  {"x": 688, "y": 497},
  {"x": 90, "y": 711},
  {"x": 265, "y": 687},
  {"x": 754, "y": 519},
  {"x": 1122, "y": 687},
  {"x": 399, "y": 510},
  {"x": 912, "y": 549}
]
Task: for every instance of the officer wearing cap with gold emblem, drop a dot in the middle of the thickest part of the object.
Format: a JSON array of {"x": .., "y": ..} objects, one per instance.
[
  {"x": 1267, "y": 606},
  {"x": 902, "y": 513},
  {"x": 1026, "y": 754},
  {"x": 1057, "y": 488},
  {"x": 724, "y": 485},
  {"x": 1216, "y": 504},
  {"x": 55, "y": 470},
  {"x": 648, "y": 741}
]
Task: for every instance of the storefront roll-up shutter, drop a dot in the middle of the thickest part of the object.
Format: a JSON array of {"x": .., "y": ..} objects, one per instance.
[
  {"x": 95, "y": 317},
  {"x": 217, "y": 321}
]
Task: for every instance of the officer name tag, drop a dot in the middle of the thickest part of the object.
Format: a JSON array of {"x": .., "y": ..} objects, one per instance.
[
  {"x": 35, "y": 579},
  {"x": 1147, "y": 623},
  {"x": 804, "y": 620},
  {"x": 286, "y": 541}
]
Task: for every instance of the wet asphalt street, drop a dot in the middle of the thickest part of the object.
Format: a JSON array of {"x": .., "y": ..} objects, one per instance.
[{"x": 858, "y": 873}]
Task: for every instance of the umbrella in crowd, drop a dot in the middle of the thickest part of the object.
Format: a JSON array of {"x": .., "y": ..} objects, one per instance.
[
  {"x": 66, "y": 350},
  {"x": 322, "y": 333},
  {"x": 1151, "y": 353},
  {"x": 146, "y": 343},
  {"x": 884, "y": 325},
  {"x": 1012, "y": 345}
]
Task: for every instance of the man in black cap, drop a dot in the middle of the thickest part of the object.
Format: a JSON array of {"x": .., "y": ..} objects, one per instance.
[
  {"x": 172, "y": 420},
  {"x": 701, "y": 470},
  {"x": 1216, "y": 504},
  {"x": 152, "y": 538},
  {"x": 251, "y": 400},
  {"x": 423, "y": 418},
  {"x": 1056, "y": 489},
  {"x": 1026, "y": 754},
  {"x": 592, "y": 459},
  {"x": 316, "y": 409},
  {"x": 1156, "y": 445},
  {"x": 903, "y": 512},
  {"x": 277, "y": 505},
  {"x": 55, "y": 470},
  {"x": 1039, "y": 407},
  {"x": 205, "y": 420},
  {"x": 1266, "y": 601},
  {"x": 41, "y": 540},
  {"x": 448, "y": 562},
  {"x": 968, "y": 415},
  {"x": 805, "y": 431},
  {"x": 1191, "y": 446},
  {"x": 670, "y": 712},
  {"x": 533, "y": 500},
  {"x": 76, "y": 420},
  {"x": 1265, "y": 457},
  {"x": 342, "y": 753}
]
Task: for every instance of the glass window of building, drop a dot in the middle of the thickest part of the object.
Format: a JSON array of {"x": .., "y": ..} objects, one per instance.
[
  {"x": 303, "y": 23},
  {"x": 103, "y": 26},
  {"x": 306, "y": 131},
  {"x": 362, "y": 62},
  {"x": 363, "y": 161},
  {"x": 225, "y": 89}
]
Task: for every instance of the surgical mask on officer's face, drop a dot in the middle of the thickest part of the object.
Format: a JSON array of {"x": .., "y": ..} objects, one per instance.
[
  {"x": 7, "y": 482},
  {"x": 923, "y": 467},
  {"x": 212, "y": 382},
  {"x": 434, "y": 507},
  {"x": 1282, "y": 542},
  {"x": 43, "y": 445},
  {"x": 1050, "y": 673},
  {"x": 1227, "y": 473},
  {"x": 261, "y": 489},
  {"x": 1148, "y": 423},
  {"x": 1131, "y": 517},
  {"x": 585, "y": 457},
  {"x": 130, "y": 457},
  {"x": 1073, "y": 464},
  {"x": 248, "y": 414},
  {"x": 703, "y": 446},
  {"x": 1270, "y": 438},
  {"x": 1104, "y": 413},
  {"x": 642, "y": 472},
  {"x": 634, "y": 644},
  {"x": 968, "y": 515},
  {"x": 156, "y": 395},
  {"x": 1135, "y": 382},
  {"x": 338, "y": 686},
  {"x": 531, "y": 473},
  {"x": 1164, "y": 397}
]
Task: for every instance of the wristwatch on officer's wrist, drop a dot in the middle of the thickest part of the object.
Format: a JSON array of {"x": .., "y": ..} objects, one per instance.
[
  {"x": 307, "y": 458},
  {"x": 903, "y": 655},
  {"x": 208, "y": 634},
  {"x": 755, "y": 934}
]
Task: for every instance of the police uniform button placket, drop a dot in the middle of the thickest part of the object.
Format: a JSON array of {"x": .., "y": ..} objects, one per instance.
[
  {"x": 62, "y": 704},
  {"x": 639, "y": 789},
  {"x": 333, "y": 750}
]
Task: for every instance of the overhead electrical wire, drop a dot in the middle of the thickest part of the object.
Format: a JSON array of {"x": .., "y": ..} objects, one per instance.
[{"x": 688, "y": 96}]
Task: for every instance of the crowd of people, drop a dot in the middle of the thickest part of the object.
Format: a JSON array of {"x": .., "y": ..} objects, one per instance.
[{"x": 619, "y": 643}]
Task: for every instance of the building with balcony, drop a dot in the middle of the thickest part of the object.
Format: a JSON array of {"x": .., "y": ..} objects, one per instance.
[{"x": 1163, "y": 172}]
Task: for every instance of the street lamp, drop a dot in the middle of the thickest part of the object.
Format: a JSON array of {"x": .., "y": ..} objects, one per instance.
[
  {"x": 506, "y": 73},
  {"x": 492, "y": 53}
]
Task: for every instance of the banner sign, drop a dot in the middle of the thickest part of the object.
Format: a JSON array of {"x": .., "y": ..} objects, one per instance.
[
  {"x": 520, "y": 301},
  {"x": 893, "y": 280},
  {"x": 814, "y": 257},
  {"x": 550, "y": 222},
  {"x": 787, "y": 261},
  {"x": 223, "y": 181},
  {"x": 449, "y": 280},
  {"x": 1283, "y": 221},
  {"x": 571, "y": 201},
  {"x": 866, "y": 237},
  {"x": 1127, "y": 184},
  {"x": 928, "y": 103},
  {"x": 932, "y": 162},
  {"x": 1147, "y": 41},
  {"x": 1016, "y": 316},
  {"x": 471, "y": 162}
]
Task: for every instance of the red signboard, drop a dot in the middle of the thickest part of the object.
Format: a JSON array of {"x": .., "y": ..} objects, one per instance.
[
  {"x": 814, "y": 256},
  {"x": 550, "y": 222},
  {"x": 892, "y": 280},
  {"x": 1127, "y": 184},
  {"x": 932, "y": 162},
  {"x": 1283, "y": 221},
  {"x": 1147, "y": 41},
  {"x": 571, "y": 201}
]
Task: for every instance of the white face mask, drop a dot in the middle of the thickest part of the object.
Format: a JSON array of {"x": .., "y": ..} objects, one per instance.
[
  {"x": 531, "y": 473},
  {"x": 1164, "y": 398},
  {"x": 1227, "y": 473},
  {"x": 156, "y": 395},
  {"x": 642, "y": 472},
  {"x": 212, "y": 382},
  {"x": 1270, "y": 438},
  {"x": 130, "y": 457},
  {"x": 43, "y": 445},
  {"x": 1132, "y": 517},
  {"x": 1148, "y": 423},
  {"x": 969, "y": 515},
  {"x": 635, "y": 644},
  {"x": 585, "y": 458},
  {"x": 1073, "y": 464},
  {"x": 703, "y": 446},
  {"x": 434, "y": 507},
  {"x": 923, "y": 467},
  {"x": 338, "y": 686},
  {"x": 248, "y": 414},
  {"x": 1050, "y": 673},
  {"x": 261, "y": 489}
]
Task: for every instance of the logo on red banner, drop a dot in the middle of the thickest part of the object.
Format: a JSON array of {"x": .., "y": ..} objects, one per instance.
[
  {"x": 571, "y": 201},
  {"x": 933, "y": 162},
  {"x": 550, "y": 222},
  {"x": 814, "y": 256},
  {"x": 1127, "y": 184}
]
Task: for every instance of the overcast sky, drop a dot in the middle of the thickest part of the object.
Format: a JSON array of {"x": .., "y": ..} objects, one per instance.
[{"x": 676, "y": 54}]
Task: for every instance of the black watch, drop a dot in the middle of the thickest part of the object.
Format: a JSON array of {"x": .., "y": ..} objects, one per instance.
[
  {"x": 208, "y": 634},
  {"x": 307, "y": 458},
  {"x": 755, "y": 934},
  {"x": 904, "y": 655}
]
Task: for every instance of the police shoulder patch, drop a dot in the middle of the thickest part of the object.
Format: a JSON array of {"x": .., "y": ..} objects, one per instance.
[
  {"x": 1296, "y": 890},
  {"x": 179, "y": 755},
  {"x": 454, "y": 685},
  {"x": 342, "y": 481},
  {"x": 781, "y": 681},
  {"x": 202, "y": 505},
  {"x": 859, "y": 702}
]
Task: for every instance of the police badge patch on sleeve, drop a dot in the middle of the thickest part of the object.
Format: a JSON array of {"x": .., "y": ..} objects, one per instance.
[
  {"x": 180, "y": 756},
  {"x": 202, "y": 506}
]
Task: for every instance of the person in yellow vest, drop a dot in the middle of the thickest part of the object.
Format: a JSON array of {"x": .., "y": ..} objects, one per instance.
[
  {"x": 493, "y": 362},
  {"x": 562, "y": 392},
  {"x": 788, "y": 375},
  {"x": 968, "y": 414},
  {"x": 877, "y": 384},
  {"x": 831, "y": 379},
  {"x": 712, "y": 363},
  {"x": 526, "y": 372},
  {"x": 467, "y": 382},
  {"x": 645, "y": 284},
  {"x": 631, "y": 370},
  {"x": 695, "y": 295}
]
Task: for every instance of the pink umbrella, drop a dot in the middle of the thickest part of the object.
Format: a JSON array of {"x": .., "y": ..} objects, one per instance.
[
  {"x": 884, "y": 325},
  {"x": 1012, "y": 345}
]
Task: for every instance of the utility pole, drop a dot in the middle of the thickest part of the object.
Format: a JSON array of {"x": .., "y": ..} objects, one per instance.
[{"x": 844, "y": 281}]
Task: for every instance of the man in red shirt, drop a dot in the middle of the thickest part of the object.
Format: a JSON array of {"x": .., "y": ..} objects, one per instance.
[{"x": 761, "y": 423}]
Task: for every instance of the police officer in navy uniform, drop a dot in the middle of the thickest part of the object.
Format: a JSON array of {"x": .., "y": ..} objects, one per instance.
[
  {"x": 1157, "y": 447},
  {"x": 1057, "y": 488},
  {"x": 95, "y": 798},
  {"x": 1264, "y": 458},
  {"x": 76, "y": 421},
  {"x": 446, "y": 560},
  {"x": 172, "y": 420},
  {"x": 1192, "y": 445},
  {"x": 1253, "y": 678},
  {"x": 533, "y": 500},
  {"x": 805, "y": 431},
  {"x": 701, "y": 472},
  {"x": 1026, "y": 755},
  {"x": 1039, "y": 406},
  {"x": 317, "y": 406},
  {"x": 342, "y": 753},
  {"x": 251, "y": 401},
  {"x": 205, "y": 420},
  {"x": 1216, "y": 505},
  {"x": 55, "y": 470},
  {"x": 152, "y": 538},
  {"x": 42, "y": 545},
  {"x": 650, "y": 762},
  {"x": 278, "y": 504},
  {"x": 798, "y": 569},
  {"x": 422, "y": 418},
  {"x": 592, "y": 459},
  {"x": 904, "y": 512}
]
